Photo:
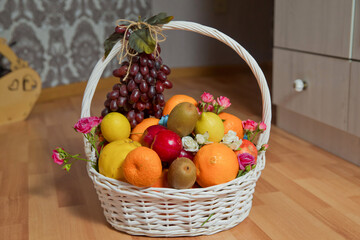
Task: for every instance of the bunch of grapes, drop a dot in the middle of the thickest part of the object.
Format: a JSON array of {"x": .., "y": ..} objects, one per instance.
[{"x": 140, "y": 94}]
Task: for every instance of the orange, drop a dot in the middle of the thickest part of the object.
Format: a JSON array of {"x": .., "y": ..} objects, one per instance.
[
  {"x": 215, "y": 164},
  {"x": 247, "y": 147},
  {"x": 142, "y": 167},
  {"x": 175, "y": 100},
  {"x": 162, "y": 181},
  {"x": 232, "y": 123},
  {"x": 138, "y": 131}
]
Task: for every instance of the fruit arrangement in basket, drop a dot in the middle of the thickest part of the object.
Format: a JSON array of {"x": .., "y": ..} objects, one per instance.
[{"x": 146, "y": 141}]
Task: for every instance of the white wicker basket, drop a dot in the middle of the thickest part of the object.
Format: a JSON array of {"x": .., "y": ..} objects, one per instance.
[{"x": 166, "y": 212}]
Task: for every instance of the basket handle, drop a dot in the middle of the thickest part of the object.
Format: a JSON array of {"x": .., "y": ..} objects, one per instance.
[{"x": 204, "y": 30}]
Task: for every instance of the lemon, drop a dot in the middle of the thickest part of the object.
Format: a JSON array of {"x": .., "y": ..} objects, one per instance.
[
  {"x": 112, "y": 157},
  {"x": 115, "y": 126},
  {"x": 211, "y": 123}
]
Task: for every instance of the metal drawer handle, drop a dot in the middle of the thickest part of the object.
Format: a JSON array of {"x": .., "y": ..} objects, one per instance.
[{"x": 300, "y": 85}]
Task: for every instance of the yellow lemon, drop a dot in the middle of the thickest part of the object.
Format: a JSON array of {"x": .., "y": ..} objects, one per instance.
[
  {"x": 115, "y": 126},
  {"x": 211, "y": 123},
  {"x": 112, "y": 158}
]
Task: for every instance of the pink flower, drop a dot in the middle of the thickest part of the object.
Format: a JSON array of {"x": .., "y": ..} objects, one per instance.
[
  {"x": 56, "y": 157},
  {"x": 198, "y": 110},
  {"x": 84, "y": 125},
  {"x": 210, "y": 108},
  {"x": 207, "y": 97},
  {"x": 265, "y": 146},
  {"x": 262, "y": 126},
  {"x": 245, "y": 159},
  {"x": 249, "y": 125},
  {"x": 223, "y": 102}
]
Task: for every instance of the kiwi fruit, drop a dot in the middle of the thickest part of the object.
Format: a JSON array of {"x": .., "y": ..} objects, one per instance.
[
  {"x": 182, "y": 173},
  {"x": 182, "y": 119}
]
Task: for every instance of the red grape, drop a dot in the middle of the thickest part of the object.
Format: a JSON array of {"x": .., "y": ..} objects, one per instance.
[
  {"x": 134, "y": 69},
  {"x": 130, "y": 115},
  {"x": 144, "y": 70},
  {"x": 120, "y": 29},
  {"x": 157, "y": 65},
  {"x": 135, "y": 95},
  {"x": 138, "y": 77},
  {"x": 159, "y": 87},
  {"x": 139, "y": 116},
  {"x": 150, "y": 80},
  {"x": 123, "y": 90},
  {"x": 116, "y": 86},
  {"x": 165, "y": 69},
  {"x": 153, "y": 73},
  {"x": 143, "y": 61},
  {"x": 104, "y": 112},
  {"x": 121, "y": 101},
  {"x": 113, "y": 106},
  {"x": 107, "y": 103},
  {"x": 131, "y": 85},
  {"x": 150, "y": 63},
  {"x": 151, "y": 56},
  {"x": 144, "y": 87},
  {"x": 161, "y": 76},
  {"x": 114, "y": 94},
  {"x": 133, "y": 123},
  {"x": 140, "y": 106},
  {"x": 167, "y": 84},
  {"x": 144, "y": 97},
  {"x": 152, "y": 91}
]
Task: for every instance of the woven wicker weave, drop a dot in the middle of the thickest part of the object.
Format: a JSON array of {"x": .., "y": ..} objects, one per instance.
[{"x": 171, "y": 212}]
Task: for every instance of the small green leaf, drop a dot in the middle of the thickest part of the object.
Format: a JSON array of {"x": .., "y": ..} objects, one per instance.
[
  {"x": 160, "y": 18},
  {"x": 111, "y": 41},
  {"x": 141, "y": 41},
  {"x": 240, "y": 173}
]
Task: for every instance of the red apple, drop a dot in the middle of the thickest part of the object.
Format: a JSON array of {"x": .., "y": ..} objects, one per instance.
[
  {"x": 247, "y": 147},
  {"x": 150, "y": 133},
  {"x": 167, "y": 145},
  {"x": 186, "y": 154}
]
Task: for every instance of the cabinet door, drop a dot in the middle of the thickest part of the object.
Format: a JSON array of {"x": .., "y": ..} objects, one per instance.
[
  {"x": 356, "y": 39},
  {"x": 354, "y": 99},
  {"x": 318, "y": 26},
  {"x": 326, "y": 97}
]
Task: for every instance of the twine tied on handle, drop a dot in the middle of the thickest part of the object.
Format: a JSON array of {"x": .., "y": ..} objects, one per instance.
[{"x": 154, "y": 31}]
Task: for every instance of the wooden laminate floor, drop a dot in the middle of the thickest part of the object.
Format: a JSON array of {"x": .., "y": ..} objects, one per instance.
[{"x": 303, "y": 193}]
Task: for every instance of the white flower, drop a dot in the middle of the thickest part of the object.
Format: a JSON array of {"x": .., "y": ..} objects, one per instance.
[
  {"x": 235, "y": 144},
  {"x": 231, "y": 140},
  {"x": 189, "y": 144},
  {"x": 202, "y": 138},
  {"x": 230, "y": 137}
]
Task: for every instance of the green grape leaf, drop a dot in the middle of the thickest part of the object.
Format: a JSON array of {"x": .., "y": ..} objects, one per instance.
[
  {"x": 111, "y": 41},
  {"x": 141, "y": 41},
  {"x": 161, "y": 18}
]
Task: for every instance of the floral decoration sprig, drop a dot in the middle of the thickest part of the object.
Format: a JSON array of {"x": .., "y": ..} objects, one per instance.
[
  {"x": 87, "y": 126},
  {"x": 209, "y": 104},
  {"x": 246, "y": 163},
  {"x": 252, "y": 129},
  {"x": 60, "y": 156}
]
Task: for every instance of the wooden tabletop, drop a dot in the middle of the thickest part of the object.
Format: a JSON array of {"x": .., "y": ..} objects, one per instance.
[{"x": 303, "y": 193}]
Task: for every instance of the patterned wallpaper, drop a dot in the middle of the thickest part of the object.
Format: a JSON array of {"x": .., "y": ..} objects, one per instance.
[{"x": 62, "y": 40}]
